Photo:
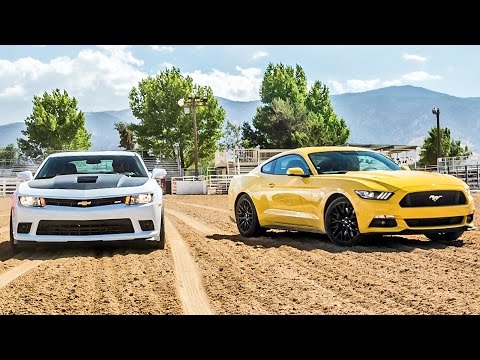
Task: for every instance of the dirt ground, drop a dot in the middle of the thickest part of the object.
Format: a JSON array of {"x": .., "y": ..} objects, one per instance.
[{"x": 280, "y": 273}]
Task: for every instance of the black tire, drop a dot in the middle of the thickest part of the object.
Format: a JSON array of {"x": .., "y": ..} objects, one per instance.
[
  {"x": 341, "y": 223},
  {"x": 160, "y": 243},
  {"x": 445, "y": 236},
  {"x": 13, "y": 246},
  {"x": 246, "y": 217}
]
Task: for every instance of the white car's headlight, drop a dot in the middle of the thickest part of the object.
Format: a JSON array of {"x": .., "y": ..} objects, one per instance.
[
  {"x": 31, "y": 201},
  {"x": 139, "y": 199},
  {"x": 373, "y": 195}
]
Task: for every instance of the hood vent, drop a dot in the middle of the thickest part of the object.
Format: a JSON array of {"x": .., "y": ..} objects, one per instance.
[{"x": 87, "y": 179}]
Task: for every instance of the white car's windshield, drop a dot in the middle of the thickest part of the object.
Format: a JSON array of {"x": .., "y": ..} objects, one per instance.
[
  {"x": 335, "y": 162},
  {"x": 92, "y": 164}
]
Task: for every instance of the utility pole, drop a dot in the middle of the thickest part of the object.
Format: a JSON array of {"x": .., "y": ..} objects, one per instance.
[
  {"x": 436, "y": 111},
  {"x": 194, "y": 101}
]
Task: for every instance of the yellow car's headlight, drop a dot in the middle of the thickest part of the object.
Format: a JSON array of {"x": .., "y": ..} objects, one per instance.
[
  {"x": 139, "y": 199},
  {"x": 373, "y": 195},
  {"x": 31, "y": 201}
]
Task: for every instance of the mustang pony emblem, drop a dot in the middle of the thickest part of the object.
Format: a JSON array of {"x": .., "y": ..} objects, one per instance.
[
  {"x": 84, "y": 203},
  {"x": 434, "y": 198}
]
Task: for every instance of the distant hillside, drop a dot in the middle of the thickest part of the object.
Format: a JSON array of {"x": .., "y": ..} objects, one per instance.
[
  {"x": 238, "y": 111},
  {"x": 397, "y": 115},
  {"x": 403, "y": 115},
  {"x": 10, "y": 132},
  {"x": 99, "y": 124}
]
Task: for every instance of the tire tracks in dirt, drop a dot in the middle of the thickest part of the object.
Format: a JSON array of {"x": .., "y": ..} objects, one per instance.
[
  {"x": 187, "y": 275},
  {"x": 394, "y": 277},
  {"x": 361, "y": 295},
  {"x": 326, "y": 300},
  {"x": 200, "y": 206}
]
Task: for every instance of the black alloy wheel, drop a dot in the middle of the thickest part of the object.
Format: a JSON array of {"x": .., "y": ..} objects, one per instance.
[
  {"x": 341, "y": 223},
  {"x": 246, "y": 217}
]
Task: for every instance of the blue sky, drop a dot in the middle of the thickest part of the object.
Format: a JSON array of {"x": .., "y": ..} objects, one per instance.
[{"x": 100, "y": 77}]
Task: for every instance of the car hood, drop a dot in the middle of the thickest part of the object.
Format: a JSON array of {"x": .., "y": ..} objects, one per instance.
[
  {"x": 87, "y": 182},
  {"x": 405, "y": 179},
  {"x": 87, "y": 186}
]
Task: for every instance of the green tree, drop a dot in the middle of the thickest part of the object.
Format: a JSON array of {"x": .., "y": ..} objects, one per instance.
[
  {"x": 449, "y": 147},
  {"x": 55, "y": 124},
  {"x": 334, "y": 130},
  {"x": 165, "y": 127},
  {"x": 232, "y": 136},
  {"x": 292, "y": 116},
  {"x": 8, "y": 154},
  {"x": 283, "y": 82},
  {"x": 125, "y": 132}
]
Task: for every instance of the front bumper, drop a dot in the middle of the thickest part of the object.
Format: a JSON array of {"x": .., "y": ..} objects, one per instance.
[
  {"x": 367, "y": 210},
  {"x": 136, "y": 213}
]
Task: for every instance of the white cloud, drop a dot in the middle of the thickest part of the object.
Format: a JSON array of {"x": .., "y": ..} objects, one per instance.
[
  {"x": 356, "y": 85},
  {"x": 414, "y": 57},
  {"x": 421, "y": 76},
  {"x": 259, "y": 54},
  {"x": 12, "y": 91},
  {"x": 120, "y": 52},
  {"x": 163, "y": 48},
  {"x": 244, "y": 86},
  {"x": 99, "y": 78},
  {"x": 167, "y": 65},
  {"x": 337, "y": 86}
]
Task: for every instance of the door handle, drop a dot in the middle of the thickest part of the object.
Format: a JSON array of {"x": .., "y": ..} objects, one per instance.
[{"x": 271, "y": 185}]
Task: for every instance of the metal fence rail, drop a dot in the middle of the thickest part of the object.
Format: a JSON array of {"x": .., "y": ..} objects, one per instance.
[
  {"x": 8, "y": 186},
  {"x": 218, "y": 184}
]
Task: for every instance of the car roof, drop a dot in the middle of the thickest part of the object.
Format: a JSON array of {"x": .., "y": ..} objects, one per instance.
[
  {"x": 93, "y": 153},
  {"x": 313, "y": 149}
]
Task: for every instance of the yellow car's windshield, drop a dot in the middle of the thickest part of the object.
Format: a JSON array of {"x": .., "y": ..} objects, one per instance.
[{"x": 337, "y": 162}]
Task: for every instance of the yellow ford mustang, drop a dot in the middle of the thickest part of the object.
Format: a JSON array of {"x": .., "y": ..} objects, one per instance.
[{"x": 347, "y": 193}]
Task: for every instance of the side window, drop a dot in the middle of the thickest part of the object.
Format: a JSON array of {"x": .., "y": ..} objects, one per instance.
[
  {"x": 269, "y": 167},
  {"x": 289, "y": 161}
]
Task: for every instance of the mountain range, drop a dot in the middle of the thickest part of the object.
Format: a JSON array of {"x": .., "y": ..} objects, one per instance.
[{"x": 391, "y": 115}]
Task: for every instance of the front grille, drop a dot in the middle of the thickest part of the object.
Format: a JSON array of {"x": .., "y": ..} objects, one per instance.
[
  {"x": 84, "y": 228},
  {"x": 455, "y": 220},
  {"x": 85, "y": 203},
  {"x": 433, "y": 198}
]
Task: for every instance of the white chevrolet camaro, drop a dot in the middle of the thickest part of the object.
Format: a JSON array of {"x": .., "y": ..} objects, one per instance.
[{"x": 89, "y": 196}]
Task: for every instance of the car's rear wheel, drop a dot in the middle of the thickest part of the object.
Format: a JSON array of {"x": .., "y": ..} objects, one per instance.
[
  {"x": 445, "y": 236},
  {"x": 246, "y": 217},
  {"x": 341, "y": 223}
]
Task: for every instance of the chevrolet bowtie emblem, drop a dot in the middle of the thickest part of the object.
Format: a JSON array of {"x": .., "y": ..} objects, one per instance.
[
  {"x": 84, "y": 203},
  {"x": 434, "y": 198}
]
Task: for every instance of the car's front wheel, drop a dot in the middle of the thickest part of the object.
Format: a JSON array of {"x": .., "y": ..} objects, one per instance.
[
  {"x": 159, "y": 243},
  {"x": 13, "y": 246},
  {"x": 246, "y": 217},
  {"x": 445, "y": 236},
  {"x": 341, "y": 223}
]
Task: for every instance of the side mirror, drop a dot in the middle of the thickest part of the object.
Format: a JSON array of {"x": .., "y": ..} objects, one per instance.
[
  {"x": 405, "y": 167},
  {"x": 296, "y": 171},
  {"x": 25, "y": 175},
  {"x": 159, "y": 173}
]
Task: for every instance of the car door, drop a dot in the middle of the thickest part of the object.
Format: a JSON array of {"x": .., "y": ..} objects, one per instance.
[{"x": 291, "y": 200}]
